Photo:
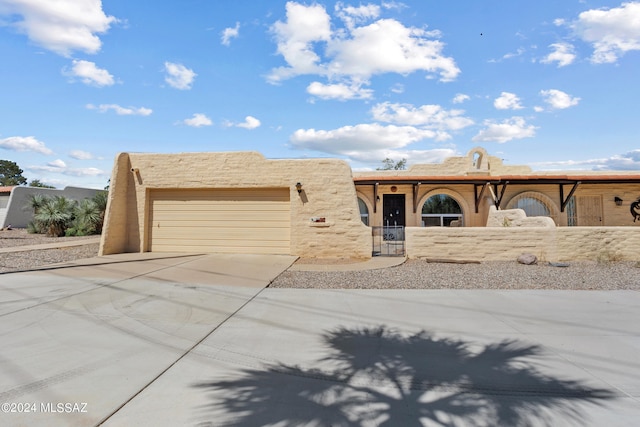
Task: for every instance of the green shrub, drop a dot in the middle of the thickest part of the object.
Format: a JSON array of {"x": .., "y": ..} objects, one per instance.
[{"x": 58, "y": 216}]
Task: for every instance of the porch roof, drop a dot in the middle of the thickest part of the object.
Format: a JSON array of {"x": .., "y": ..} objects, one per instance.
[
  {"x": 501, "y": 179},
  {"x": 497, "y": 185}
]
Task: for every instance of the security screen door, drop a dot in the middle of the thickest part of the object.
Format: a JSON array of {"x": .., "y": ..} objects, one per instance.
[{"x": 393, "y": 209}]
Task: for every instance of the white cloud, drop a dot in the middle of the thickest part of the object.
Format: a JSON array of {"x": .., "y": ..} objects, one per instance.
[
  {"x": 81, "y": 155},
  {"x": 387, "y": 46},
  {"x": 507, "y": 101},
  {"x": 62, "y": 26},
  {"x": 515, "y": 54},
  {"x": 356, "y": 140},
  {"x": 563, "y": 54},
  {"x": 121, "y": 111},
  {"x": 355, "y": 53},
  {"x": 339, "y": 91},
  {"x": 58, "y": 163},
  {"x": 352, "y": 15},
  {"x": 373, "y": 158},
  {"x": 397, "y": 88},
  {"x": 89, "y": 73},
  {"x": 179, "y": 76},
  {"x": 249, "y": 123},
  {"x": 559, "y": 100},
  {"x": 305, "y": 25},
  {"x": 432, "y": 117},
  {"x": 230, "y": 33},
  {"x": 513, "y": 128},
  {"x": 370, "y": 143},
  {"x": 611, "y": 32},
  {"x": 629, "y": 161},
  {"x": 24, "y": 143},
  {"x": 460, "y": 98},
  {"x": 58, "y": 166},
  {"x": 198, "y": 120}
]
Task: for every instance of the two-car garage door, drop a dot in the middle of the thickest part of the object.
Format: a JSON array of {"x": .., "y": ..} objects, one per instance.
[{"x": 221, "y": 220}]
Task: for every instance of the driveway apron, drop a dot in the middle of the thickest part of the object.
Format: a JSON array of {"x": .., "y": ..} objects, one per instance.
[{"x": 79, "y": 340}]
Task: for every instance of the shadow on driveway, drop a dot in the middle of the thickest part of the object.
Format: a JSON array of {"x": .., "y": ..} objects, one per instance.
[{"x": 378, "y": 376}]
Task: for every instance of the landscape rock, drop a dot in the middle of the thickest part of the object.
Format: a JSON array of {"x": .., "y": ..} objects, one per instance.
[{"x": 528, "y": 259}]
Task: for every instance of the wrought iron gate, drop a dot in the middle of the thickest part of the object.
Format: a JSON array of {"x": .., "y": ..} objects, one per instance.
[{"x": 388, "y": 240}]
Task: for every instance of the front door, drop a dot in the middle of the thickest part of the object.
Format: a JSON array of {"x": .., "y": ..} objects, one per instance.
[
  {"x": 589, "y": 209},
  {"x": 393, "y": 210}
]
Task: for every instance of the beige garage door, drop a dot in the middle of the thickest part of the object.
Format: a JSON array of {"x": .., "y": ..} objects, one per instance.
[{"x": 224, "y": 220}]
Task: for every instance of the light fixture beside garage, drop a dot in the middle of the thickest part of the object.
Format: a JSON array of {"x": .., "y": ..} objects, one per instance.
[{"x": 299, "y": 187}]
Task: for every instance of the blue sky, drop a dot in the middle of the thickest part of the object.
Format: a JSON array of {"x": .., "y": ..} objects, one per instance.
[{"x": 552, "y": 84}]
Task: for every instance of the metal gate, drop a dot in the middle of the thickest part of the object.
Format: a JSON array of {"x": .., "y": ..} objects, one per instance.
[{"x": 388, "y": 240}]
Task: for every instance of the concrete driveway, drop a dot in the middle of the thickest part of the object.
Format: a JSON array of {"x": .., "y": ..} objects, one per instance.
[{"x": 155, "y": 340}]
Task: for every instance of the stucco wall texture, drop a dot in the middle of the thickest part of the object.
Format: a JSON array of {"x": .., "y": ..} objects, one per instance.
[
  {"x": 602, "y": 244},
  {"x": 327, "y": 192}
]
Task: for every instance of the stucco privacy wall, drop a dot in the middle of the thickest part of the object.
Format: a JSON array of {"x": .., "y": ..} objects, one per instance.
[
  {"x": 19, "y": 217},
  {"x": 327, "y": 192},
  {"x": 507, "y": 243}
]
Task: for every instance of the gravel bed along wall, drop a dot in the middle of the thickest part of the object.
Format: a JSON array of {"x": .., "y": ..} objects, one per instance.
[
  {"x": 20, "y": 237},
  {"x": 28, "y": 260},
  {"x": 21, "y": 261},
  {"x": 419, "y": 274}
]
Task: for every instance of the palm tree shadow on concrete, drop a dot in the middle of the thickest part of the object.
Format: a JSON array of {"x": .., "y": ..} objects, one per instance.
[{"x": 381, "y": 377}]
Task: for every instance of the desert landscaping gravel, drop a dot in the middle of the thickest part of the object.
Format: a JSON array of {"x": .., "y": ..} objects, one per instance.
[
  {"x": 27, "y": 260},
  {"x": 412, "y": 274},
  {"x": 420, "y": 274}
]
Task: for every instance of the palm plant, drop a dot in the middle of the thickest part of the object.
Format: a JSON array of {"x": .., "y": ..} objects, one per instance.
[
  {"x": 36, "y": 201},
  {"x": 87, "y": 218},
  {"x": 101, "y": 199},
  {"x": 55, "y": 215}
]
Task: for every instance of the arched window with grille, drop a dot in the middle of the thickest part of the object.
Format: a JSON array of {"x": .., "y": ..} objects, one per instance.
[
  {"x": 364, "y": 211},
  {"x": 441, "y": 210},
  {"x": 534, "y": 204}
]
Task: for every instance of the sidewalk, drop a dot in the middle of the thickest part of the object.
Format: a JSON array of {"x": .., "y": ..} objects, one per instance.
[{"x": 56, "y": 245}]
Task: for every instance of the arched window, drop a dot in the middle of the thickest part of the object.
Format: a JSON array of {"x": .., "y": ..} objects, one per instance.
[
  {"x": 364, "y": 211},
  {"x": 441, "y": 210},
  {"x": 533, "y": 204}
]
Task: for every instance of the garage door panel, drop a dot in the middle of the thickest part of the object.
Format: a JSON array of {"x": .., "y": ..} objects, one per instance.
[
  {"x": 225, "y": 194},
  {"x": 194, "y": 249},
  {"x": 221, "y": 243},
  {"x": 253, "y": 234},
  {"x": 227, "y": 220},
  {"x": 216, "y": 216},
  {"x": 207, "y": 207},
  {"x": 202, "y": 226}
]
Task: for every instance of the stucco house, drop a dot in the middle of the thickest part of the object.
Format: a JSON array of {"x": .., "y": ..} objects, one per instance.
[
  {"x": 471, "y": 207},
  {"x": 469, "y": 186}
]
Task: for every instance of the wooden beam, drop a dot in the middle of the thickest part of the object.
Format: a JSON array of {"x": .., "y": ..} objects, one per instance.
[
  {"x": 479, "y": 197},
  {"x": 563, "y": 201},
  {"x": 498, "y": 199},
  {"x": 375, "y": 197}
]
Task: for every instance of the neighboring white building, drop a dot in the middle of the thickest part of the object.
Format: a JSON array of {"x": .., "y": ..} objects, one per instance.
[{"x": 14, "y": 202}]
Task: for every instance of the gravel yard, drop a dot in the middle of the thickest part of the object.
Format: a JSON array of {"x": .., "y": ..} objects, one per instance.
[
  {"x": 413, "y": 274},
  {"x": 419, "y": 274},
  {"x": 20, "y": 261}
]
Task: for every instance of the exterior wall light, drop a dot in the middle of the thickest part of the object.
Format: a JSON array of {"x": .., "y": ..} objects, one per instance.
[
  {"x": 618, "y": 201},
  {"x": 299, "y": 187}
]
